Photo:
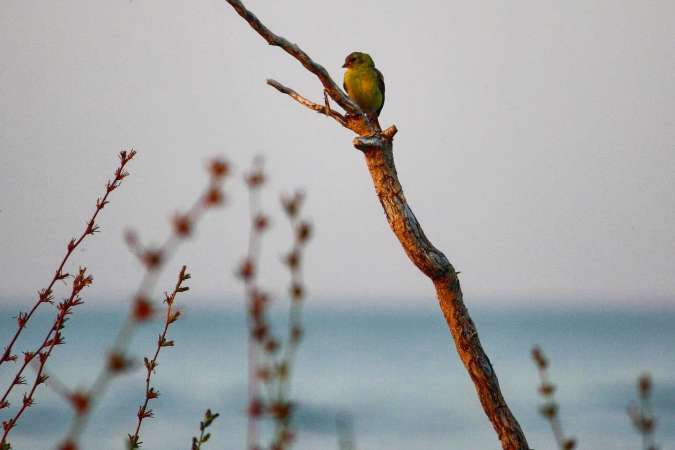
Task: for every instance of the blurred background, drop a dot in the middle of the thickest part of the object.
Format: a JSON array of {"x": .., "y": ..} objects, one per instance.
[{"x": 536, "y": 147}]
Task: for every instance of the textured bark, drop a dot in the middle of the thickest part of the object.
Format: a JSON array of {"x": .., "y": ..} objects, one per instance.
[
  {"x": 436, "y": 266},
  {"x": 377, "y": 146}
]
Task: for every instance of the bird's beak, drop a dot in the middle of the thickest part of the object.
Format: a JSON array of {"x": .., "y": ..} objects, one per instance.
[{"x": 345, "y": 65}]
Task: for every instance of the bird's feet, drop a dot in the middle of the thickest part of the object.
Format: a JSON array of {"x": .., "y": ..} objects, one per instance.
[{"x": 373, "y": 123}]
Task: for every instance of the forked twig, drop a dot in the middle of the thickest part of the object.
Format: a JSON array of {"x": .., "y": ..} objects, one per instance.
[{"x": 53, "y": 339}]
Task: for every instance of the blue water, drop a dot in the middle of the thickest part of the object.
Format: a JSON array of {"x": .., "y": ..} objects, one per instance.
[{"x": 396, "y": 373}]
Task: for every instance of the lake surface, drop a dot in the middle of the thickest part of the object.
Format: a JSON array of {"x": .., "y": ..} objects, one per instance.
[{"x": 395, "y": 373}]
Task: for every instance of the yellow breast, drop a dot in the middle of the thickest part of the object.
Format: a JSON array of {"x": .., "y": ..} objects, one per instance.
[{"x": 362, "y": 86}]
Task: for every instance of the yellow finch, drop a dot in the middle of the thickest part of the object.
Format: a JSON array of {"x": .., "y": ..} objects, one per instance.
[{"x": 364, "y": 84}]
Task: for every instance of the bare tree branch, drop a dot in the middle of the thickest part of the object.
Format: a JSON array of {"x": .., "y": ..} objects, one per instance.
[
  {"x": 377, "y": 147},
  {"x": 321, "y": 109},
  {"x": 296, "y": 52}
]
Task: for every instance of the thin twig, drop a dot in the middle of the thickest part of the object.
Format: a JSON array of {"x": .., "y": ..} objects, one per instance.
[
  {"x": 151, "y": 364},
  {"x": 209, "y": 417},
  {"x": 264, "y": 363},
  {"x": 642, "y": 415},
  {"x": 296, "y": 52},
  {"x": 46, "y": 295},
  {"x": 142, "y": 309},
  {"x": 324, "y": 109},
  {"x": 256, "y": 302},
  {"x": 80, "y": 281},
  {"x": 550, "y": 408},
  {"x": 296, "y": 290},
  {"x": 282, "y": 407}
]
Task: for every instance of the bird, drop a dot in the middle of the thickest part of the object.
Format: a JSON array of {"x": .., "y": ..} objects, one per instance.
[{"x": 364, "y": 84}]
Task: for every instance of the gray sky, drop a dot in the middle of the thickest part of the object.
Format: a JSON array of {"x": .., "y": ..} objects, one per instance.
[{"x": 536, "y": 143}]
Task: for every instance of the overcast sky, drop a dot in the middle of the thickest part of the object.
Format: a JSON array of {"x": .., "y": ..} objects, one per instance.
[{"x": 536, "y": 144}]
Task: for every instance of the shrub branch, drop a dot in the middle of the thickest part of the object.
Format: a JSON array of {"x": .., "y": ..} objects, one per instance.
[
  {"x": 142, "y": 309},
  {"x": 43, "y": 353},
  {"x": 46, "y": 295},
  {"x": 170, "y": 317}
]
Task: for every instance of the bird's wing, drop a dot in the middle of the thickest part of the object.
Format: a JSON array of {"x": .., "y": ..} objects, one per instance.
[{"x": 380, "y": 84}]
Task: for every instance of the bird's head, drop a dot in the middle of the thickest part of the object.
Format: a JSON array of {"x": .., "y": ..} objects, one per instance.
[{"x": 358, "y": 59}]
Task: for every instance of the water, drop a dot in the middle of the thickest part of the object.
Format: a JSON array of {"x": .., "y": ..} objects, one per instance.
[{"x": 396, "y": 373}]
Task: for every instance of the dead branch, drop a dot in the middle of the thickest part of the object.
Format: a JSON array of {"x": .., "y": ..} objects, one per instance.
[
  {"x": 296, "y": 52},
  {"x": 377, "y": 147},
  {"x": 321, "y": 109}
]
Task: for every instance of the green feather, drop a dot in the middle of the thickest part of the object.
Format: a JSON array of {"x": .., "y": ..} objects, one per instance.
[{"x": 364, "y": 83}]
